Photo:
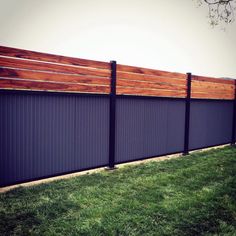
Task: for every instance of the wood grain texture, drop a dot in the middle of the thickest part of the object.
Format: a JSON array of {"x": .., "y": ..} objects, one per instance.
[
  {"x": 211, "y": 79},
  {"x": 208, "y": 88},
  {"x": 151, "y": 78},
  {"x": 211, "y": 85},
  {"x": 218, "y": 92},
  {"x": 24, "y": 69},
  {"x": 47, "y": 86},
  {"x": 212, "y": 96},
  {"x": 20, "y": 53},
  {"x": 140, "y": 70},
  {"x": 34, "y": 65},
  {"x": 150, "y": 92},
  {"x": 53, "y": 77},
  {"x": 149, "y": 85}
]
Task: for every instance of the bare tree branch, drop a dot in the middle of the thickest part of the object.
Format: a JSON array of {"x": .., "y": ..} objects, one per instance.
[{"x": 220, "y": 11}]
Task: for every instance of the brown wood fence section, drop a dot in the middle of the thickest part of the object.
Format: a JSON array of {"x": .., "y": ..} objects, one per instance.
[
  {"x": 22, "y": 69},
  {"x": 28, "y": 70},
  {"x": 148, "y": 82},
  {"x": 212, "y": 88}
]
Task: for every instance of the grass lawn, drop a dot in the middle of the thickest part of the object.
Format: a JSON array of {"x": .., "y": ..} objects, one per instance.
[{"x": 191, "y": 195}]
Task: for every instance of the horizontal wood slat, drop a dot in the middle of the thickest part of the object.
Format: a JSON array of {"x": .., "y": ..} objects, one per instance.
[
  {"x": 151, "y": 78},
  {"x": 34, "y": 65},
  {"x": 212, "y": 96},
  {"x": 20, "y": 53},
  {"x": 212, "y": 90},
  {"x": 140, "y": 70},
  {"x": 149, "y": 85},
  {"x": 53, "y": 77},
  {"x": 214, "y": 80},
  {"x": 219, "y": 92},
  {"x": 150, "y": 92},
  {"x": 47, "y": 86}
]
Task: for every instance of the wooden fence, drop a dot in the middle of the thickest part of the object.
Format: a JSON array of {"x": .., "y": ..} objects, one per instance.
[
  {"x": 28, "y": 70},
  {"x": 48, "y": 127}
]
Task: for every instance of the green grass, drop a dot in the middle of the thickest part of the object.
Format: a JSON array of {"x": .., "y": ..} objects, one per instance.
[{"x": 191, "y": 195}]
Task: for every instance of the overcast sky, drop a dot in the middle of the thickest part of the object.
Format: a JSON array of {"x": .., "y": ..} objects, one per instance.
[{"x": 171, "y": 35}]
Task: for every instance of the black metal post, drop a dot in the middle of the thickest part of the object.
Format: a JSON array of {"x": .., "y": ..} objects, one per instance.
[
  {"x": 112, "y": 116},
  {"x": 234, "y": 116},
  {"x": 187, "y": 114}
]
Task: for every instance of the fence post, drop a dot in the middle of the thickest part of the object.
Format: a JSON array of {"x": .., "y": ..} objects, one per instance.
[
  {"x": 112, "y": 122},
  {"x": 234, "y": 116},
  {"x": 187, "y": 114}
]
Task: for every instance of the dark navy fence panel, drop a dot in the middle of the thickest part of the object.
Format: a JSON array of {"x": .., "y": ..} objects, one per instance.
[
  {"x": 46, "y": 134},
  {"x": 148, "y": 127},
  {"x": 210, "y": 123},
  {"x": 43, "y": 134}
]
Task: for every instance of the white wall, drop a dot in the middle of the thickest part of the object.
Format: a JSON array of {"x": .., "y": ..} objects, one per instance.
[{"x": 167, "y": 35}]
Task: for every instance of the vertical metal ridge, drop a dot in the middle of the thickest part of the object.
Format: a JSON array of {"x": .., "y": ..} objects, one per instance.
[
  {"x": 49, "y": 134},
  {"x": 142, "y": 127},
  {"x": 210, "y": 123}
]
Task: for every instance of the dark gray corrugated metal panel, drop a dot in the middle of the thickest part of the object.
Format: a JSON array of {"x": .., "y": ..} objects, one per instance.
[
  {"x": 48, "y": 134},
  {"x": 148, "y": 127},
  {"x": 210, "y": 123}
]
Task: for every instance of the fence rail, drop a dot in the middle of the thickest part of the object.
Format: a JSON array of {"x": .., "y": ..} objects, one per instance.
[{"x": 61, "y": 114}]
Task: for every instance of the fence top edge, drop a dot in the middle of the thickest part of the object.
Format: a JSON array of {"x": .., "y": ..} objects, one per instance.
[
  {"x": 48, "y": 57},
  {"x": 213, "y": 79},
  {"x": 54, "y": 58}
]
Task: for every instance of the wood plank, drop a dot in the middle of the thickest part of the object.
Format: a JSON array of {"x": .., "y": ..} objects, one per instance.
[
  {"x": 47, "y": 86},
  {"x": 211, "y": 79},
  {"x": 209, "y": 90},
  {"x": 34, "y": 65},
  {"x": 146, "y": 71},
  {"x": 212, "y": 96},
  {"x": 20, "y": 53},
  {"x": 211, "y": 85},
  {"x": 149, "y": 92},
  {"x": 150, "y": 78},
  {"x": 149, "y": 85},
  {"x": 53, "y": 77}
]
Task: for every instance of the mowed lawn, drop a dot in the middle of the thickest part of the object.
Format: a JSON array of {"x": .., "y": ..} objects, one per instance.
[{"x": 190, "y": 195}]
